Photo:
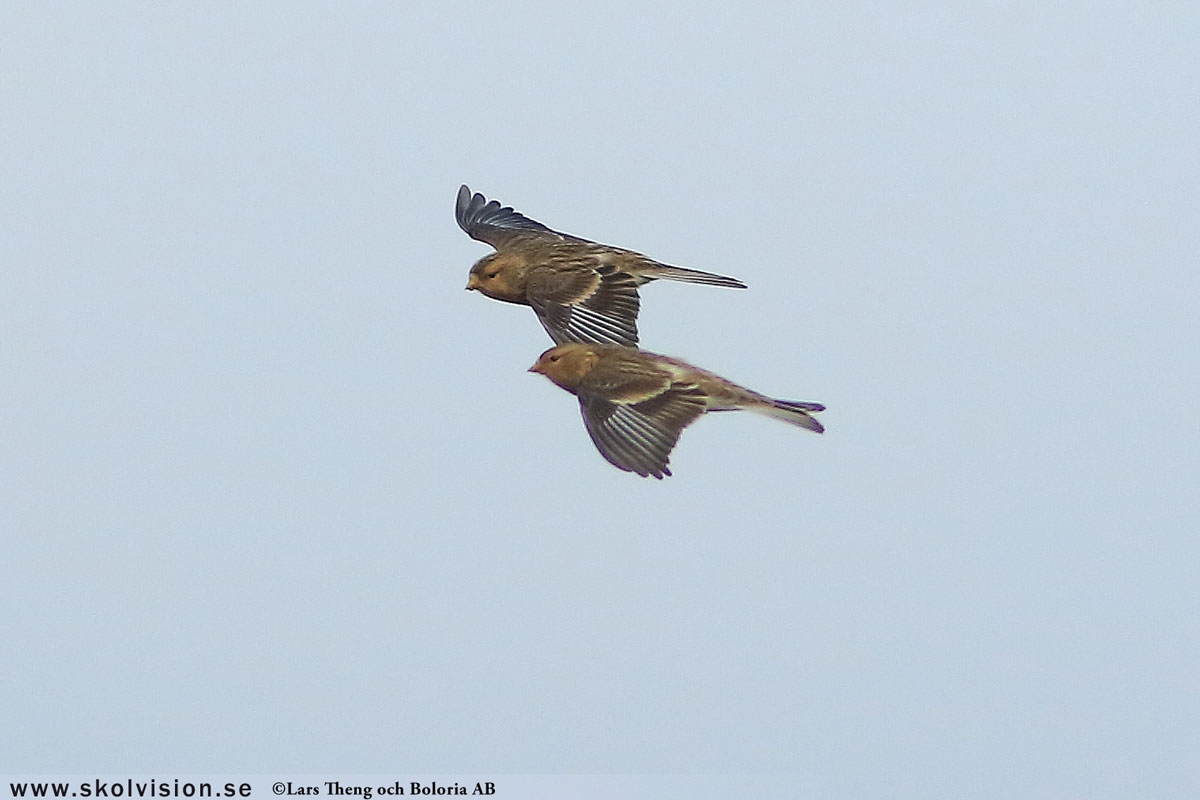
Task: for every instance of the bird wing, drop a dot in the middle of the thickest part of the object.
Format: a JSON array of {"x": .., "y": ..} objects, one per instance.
[
  {"x": 500, "y": 226},
  {"x": 578, "y": 301},
  {"x": 639, "y": 437}
]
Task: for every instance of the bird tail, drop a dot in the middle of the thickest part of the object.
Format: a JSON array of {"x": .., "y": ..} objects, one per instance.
[
  {"x": 692, "y": 276},
  {"x": 794, "y": 413}
]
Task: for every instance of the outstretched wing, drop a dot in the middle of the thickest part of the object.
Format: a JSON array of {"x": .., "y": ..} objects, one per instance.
[
  {"x": 639, "y": 437},
  {"x": 581, "y": 302},
  {"x": 488, "y": 221}
]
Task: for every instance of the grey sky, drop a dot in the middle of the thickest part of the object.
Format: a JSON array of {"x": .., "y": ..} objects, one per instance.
[{"x": 278, "y": 494}]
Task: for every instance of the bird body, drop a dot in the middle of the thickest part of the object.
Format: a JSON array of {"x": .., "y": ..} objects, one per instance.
[
  {"x": 635, "y": 403},
  {"x": 581, "y": 291}
]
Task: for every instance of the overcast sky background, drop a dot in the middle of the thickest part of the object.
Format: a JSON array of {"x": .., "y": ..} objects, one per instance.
[{"x": 277, "y": 494}]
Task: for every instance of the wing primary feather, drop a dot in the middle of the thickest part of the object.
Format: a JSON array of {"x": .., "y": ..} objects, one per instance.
[
  {"x": 621, "y": 450},
  {"x": 621, "y": 435},
  {"x": 637, "y": 443},
  {"x": 639, "y": 430},
  {"x": 599, "y": 324},
  {"x": 612, "y": 448},
  {"x": 590, "y": 327}
]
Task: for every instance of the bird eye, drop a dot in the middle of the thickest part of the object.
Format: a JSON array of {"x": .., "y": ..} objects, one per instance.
[
  {"x": 554, "y": 358},
  {"x": 490, "y": 275}
]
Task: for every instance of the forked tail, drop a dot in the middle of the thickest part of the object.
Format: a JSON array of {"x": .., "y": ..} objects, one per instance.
[{"x": 795, "y": 413}]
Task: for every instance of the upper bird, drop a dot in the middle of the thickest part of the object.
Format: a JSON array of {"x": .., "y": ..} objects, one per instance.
[
  {"x": 582, "y": 291},
  {"x": 635, "y": 403}
]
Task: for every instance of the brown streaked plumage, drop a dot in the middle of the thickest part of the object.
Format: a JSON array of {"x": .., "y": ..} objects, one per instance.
[
  {"x": 581, "y": 291},
  {"x": 635, "y": 403}
]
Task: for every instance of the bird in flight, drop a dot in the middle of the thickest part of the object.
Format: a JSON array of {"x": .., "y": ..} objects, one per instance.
[
  {"x": 635, "y": 403},
  {"x": 581, "y": 291}
]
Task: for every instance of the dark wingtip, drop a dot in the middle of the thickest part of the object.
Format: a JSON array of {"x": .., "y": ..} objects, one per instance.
[{"x": 463, "y": 206}]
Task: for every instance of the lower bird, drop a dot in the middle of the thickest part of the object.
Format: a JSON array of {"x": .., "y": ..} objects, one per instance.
[{"x": 635, "y": 403}]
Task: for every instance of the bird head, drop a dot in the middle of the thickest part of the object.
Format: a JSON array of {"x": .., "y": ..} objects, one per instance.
[
  {"x": 498, "y": 276},
  {"x": 567, "y": 364}
]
